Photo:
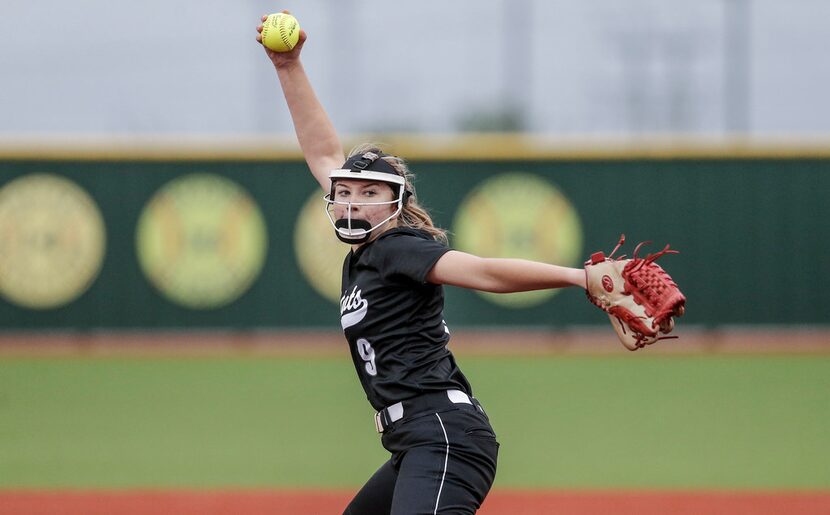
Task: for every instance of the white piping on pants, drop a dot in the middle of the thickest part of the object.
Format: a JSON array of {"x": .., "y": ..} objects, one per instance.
[{"x": 446, "y": 459}]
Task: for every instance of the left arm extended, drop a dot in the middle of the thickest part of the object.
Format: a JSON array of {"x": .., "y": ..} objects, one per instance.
[{"x": 502, "y": 275}]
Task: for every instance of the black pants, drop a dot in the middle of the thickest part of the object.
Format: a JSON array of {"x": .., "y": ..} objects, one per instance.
[{"x": 443, "y": 461}]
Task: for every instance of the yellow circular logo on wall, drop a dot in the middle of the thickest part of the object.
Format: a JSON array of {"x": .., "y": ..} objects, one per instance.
[
  {"x": 519, "y": 215},
  {"x": 319, "y": 253},
  {"x": 52, "y": 241},
  {"x": 201, "y": 241}
]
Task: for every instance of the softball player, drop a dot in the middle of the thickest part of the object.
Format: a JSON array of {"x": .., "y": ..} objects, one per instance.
[{"x": 443, "y": 448}]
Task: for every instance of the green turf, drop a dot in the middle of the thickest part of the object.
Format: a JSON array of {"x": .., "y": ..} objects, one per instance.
[{"x": 570, "y": 422}]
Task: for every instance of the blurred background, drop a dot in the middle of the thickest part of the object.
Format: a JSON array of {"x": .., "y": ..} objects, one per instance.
[
  {"x": 169, "y": 284},
  {"x": 713, "y": 68}
]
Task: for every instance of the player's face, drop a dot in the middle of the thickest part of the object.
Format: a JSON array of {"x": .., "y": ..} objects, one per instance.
[{"x": 363, "y": 192}]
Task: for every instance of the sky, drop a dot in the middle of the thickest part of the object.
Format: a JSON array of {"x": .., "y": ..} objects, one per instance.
[{"x": 711, "y": 67}]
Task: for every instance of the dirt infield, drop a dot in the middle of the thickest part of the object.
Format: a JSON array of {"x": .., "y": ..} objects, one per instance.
[
  {"x": 500, "y": 502},
  {"x": 501, "y": 341}
]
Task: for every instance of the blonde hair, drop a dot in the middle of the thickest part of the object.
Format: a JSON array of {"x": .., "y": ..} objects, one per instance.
[{"x": 413, "y": 215}]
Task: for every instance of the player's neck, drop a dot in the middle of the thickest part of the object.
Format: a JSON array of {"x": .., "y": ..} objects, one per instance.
[{"x": 391, "y": 224}]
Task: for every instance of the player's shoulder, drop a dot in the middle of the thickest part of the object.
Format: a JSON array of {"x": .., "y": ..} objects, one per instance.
[
  {"x": 406, "y": 238},
  {"x": 398, "y": 242},
  {"x": 404, "y": 233}
]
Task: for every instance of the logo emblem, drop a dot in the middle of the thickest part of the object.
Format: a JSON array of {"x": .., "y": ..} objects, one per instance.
[
  {"x": 52, "y": 241},
  {"x": 607, "y": 283},
  {"x": 519, "y": 215},
  {"x": 201, "y": 241},
  {"x": 319, "y": 254}
]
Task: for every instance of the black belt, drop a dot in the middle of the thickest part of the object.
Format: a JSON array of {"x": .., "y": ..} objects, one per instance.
[{"x": 422, "y": 404}]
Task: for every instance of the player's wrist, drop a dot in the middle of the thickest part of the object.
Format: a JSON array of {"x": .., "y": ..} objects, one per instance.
[
  {"x": 580, "y": 277},
  {"x": 284, "y": 65}
]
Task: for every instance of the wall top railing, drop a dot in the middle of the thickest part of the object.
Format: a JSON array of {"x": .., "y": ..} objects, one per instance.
[{"x": 416, "y": 147}]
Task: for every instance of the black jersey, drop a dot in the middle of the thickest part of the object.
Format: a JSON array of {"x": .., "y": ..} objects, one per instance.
[{"x": 393, "y": 319}]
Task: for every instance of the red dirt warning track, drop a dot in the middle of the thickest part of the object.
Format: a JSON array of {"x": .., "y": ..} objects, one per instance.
[{"x": 500, "y": 502}]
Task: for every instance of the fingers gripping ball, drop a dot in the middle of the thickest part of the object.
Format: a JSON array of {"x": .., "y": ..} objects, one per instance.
[
  {"x": 640, "y": 298},
  {"x": 280, "y": 32}
]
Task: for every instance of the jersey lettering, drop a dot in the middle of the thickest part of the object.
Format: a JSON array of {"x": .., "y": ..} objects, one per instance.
[
  {"x": 367, "y": 354},
  {"x": 353, "y": 308}
]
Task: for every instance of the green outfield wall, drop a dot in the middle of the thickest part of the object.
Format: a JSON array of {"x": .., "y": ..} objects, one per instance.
[{"x": 243, "y": 243}]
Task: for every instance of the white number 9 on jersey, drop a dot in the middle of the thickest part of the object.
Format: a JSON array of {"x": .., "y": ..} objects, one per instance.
[{"x": 367, "y": 354}]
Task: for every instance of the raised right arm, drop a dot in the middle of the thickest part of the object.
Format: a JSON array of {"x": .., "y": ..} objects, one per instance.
[{"x": 316, "y": 134}]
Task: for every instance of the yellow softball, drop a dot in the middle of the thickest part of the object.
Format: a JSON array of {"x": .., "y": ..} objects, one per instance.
[{"x": 280, "y": 32}]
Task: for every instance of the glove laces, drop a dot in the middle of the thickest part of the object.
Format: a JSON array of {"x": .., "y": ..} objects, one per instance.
[{"x": 652, "y": 283}]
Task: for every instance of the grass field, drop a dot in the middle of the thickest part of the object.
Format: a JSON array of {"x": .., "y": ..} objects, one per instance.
[{"x": 630, "y": 422}]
